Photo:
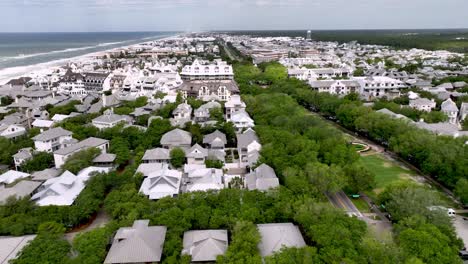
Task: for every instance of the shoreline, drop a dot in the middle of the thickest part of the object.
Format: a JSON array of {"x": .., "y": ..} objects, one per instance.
[{"x": 7, "y": 74}]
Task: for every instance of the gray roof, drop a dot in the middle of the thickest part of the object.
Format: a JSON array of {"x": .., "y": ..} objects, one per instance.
[
  {"x": 24, "y": 153},
  {"x": 244, "y": 139},
  {"x": 140, "y": 243},
  {"x": 20, "y": 190},
  {"x": 449, "y": 106},
  {"x": 105, "y": 158},
  {"x": 11, "y": 246},
  {"x": 46, "y": 174},
  {"x": 87, "y": 143},
  {"x": 263, "y": 178},
  {"x": 112, "y": 118},
  {"x": 442, "y": 129},
  {"x": 52, "y": 133},
  {"x": 385, "y": 111},
  {"x": 277, "y": 236},
  {"x": 176, "y": 137},
  {"x": 157, "y": 154},
  {"x": 328, "y": 83},
  {"x": 219, "y": 136},
  {"x": 196, "y": 151},
  {"x": 192, "y": 87},
  {"x": 205, "y": 245},
  {"x": 421, "y": 101}
]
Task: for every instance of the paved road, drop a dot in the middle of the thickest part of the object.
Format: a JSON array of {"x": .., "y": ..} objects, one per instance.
[
  {"x": 229, "y": 52},
  {"x": 341, "y": 200},
  {"x": 461, "y": 225},
  {"x": 100, "y": 221}
]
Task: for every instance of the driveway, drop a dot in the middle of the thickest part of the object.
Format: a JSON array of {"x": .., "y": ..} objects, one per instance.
[{"x": 461, "y": 226}]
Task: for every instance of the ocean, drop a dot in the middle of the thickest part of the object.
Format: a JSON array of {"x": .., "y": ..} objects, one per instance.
[{"x": 23, "y": 52}]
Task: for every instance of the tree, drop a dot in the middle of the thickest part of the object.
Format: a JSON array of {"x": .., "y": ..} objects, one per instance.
[
  {"x": 461, "y": 190},
  {"x": 425, "y": 241},
  {"x": 243, "y": 246},
  {"x": 120, "y": 147},
  {"x": 177, "y": 157},
  {"x": 216, "y": 164},
  {"x": 326, "y": 179},
  {"x": 47, "y": 247},
  {"x": 405, "y": 200},
  {"x": 359, "y": 178},
  {"x": 39, "y": 161},
  {"x": 81, "y": 160},
  {"x": 294, "y": 255}
]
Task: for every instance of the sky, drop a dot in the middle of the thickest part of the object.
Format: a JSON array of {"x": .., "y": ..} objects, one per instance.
[{"x": 203, "y": 15}]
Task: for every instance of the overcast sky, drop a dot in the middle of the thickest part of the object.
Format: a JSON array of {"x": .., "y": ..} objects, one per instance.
[{"x": 198, "y": 15}]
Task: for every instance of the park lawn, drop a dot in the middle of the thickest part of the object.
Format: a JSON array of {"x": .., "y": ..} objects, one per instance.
[{"x": 386, "y": 172}]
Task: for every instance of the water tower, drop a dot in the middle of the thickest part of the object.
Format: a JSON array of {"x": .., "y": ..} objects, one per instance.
[{"x": 309, "y": 35}]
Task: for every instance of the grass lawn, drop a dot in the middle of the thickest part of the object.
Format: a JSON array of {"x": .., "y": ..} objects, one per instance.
[{"x": 386, "y": 171}]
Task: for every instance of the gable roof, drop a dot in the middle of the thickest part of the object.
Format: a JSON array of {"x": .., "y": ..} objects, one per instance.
[
  {"x": 46, "y": 174},
  {"x": 449, "y": 106},
  {"x": 61, "y": 190},
  {"x": 11, "y": 246},
  {"x": 140, "y": 243},
  {"x": 196, "y": 151},
  {"x": 84, "y": 144},
  {"x": 161, "y": 183},
  {"x": 176, "y": 137},
  {"x": 20, "y": 190},
  {"x": 275, "y": 236},
  {"x": 244, "y": 139},
  {"x": 157, "y": 154},
  {"x": 52, "y": 133},
  {"x": 263, "y": 178},
  {"x": 205, "y": 245},
  {"x": 11, "y": 176},
  {"x": 215, "y": 138}
]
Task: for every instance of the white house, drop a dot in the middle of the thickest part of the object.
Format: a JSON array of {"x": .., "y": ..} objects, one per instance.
[
  {"x": 22, "y": 156},
  {"x": 196, "y": 155},
  {"x": 177, "y": 138},
  {"x": 61, "y": 155},
  {"x": 422, "y": 104},
  {"x": 200, "y": 178},
  {"x": 182, "y": 114},
  {"x": 52, "y": 139},
  {"x": 241, "y": 120},
  {"x": 157, "y": 155},
  {"x": 161, "y": 183},
  {"x": 262, "y": 178},
  {"x": 379, "y": 86},
  {"x": 109, "y": 119},
  {"x": 233, "y": 105},
  {"x": 203, "y": 113},
  {"x": 62, "y": 190},
  {"x": 449, "y": 108},
  {"x": 12, "y": 131},
  {"x": 202, "y": 70},
  {"x": 338, "y": 87},
  {"x": 247, "y": 142}
]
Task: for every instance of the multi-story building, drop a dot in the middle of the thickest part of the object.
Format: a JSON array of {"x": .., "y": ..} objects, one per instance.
[{"x": 201, "y": 70}]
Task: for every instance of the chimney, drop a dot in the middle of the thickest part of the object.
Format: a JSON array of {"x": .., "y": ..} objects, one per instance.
[{"x": 16, "y": 99}]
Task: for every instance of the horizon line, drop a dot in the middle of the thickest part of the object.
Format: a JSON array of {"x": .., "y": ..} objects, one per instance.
[{"x": 229, "y": 30}]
